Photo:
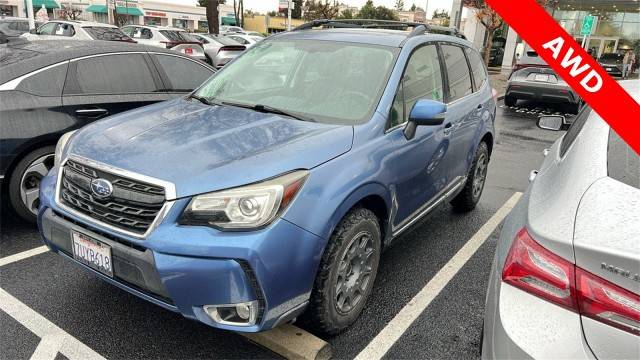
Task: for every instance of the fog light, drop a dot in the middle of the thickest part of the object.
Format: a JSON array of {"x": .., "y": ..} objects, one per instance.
[{"x": 241, "y": 314}]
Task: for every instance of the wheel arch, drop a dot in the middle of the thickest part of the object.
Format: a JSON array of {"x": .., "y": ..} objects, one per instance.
[{"x": 26, "y": 148}]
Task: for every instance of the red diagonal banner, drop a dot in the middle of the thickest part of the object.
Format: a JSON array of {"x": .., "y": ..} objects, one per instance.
[{"x": 574, "y": 65}]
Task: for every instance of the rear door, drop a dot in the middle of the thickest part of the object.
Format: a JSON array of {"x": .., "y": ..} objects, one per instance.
[
  {"x": 459, "y": 123},
  {"x": 104, "y": 85},
  {"x": 607, "y": 244}
]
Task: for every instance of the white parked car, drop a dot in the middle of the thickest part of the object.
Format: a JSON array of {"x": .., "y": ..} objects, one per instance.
[
  {"x": 166, "y": 37},
  {"x": 246, "y": 40},
  {"x": 218, "y": 49},
  {"x": 226, "y": 29},
  {"x": 77, "y": 30}
]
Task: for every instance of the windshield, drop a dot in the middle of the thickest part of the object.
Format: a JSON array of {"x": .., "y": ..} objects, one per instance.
[
  {"x": 178, "y": 36},
  {"x": 329, "y": 82}
]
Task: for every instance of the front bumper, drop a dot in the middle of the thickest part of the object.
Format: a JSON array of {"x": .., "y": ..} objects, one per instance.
[
  {"x": 542, "y": 92},
  {"x": 184, "y": 268}
]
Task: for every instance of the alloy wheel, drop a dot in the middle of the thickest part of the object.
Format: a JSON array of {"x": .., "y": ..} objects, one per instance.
[
  {"x": 354, "y": 272},
  {"x": 480, "y": 175},
  {"x": 30, "y": 182}
]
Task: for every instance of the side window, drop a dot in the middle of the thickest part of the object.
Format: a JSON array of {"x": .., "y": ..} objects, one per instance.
[
  {"x": 65, "y": 30},
  {"x": 183, "y": 74},
  {"x": 239, "y": 39},
  {"x": 422, "y": 79},
  {"x": 112, "y": 74},
  {"x": 477, "y": 67},
  {"x": 202, "y": 39},
  {"x": 397, "y": 109},
  {"x": 45, "y": 83},
  {"x": 128, "y": 30},
  {"x": 145, "y": 33},
  {"x": 457, "y": 72},
  {"x": 47, "y": 29},
  {"x": 574, "y": 129}
]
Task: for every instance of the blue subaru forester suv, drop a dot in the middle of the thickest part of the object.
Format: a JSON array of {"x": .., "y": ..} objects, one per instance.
[{"x": 269, "y": 193}]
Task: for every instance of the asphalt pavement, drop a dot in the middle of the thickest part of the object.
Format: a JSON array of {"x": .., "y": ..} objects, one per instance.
[{"x": 117, "y": 325}]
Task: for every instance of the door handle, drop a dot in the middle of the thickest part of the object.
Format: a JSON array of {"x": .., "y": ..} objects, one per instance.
[
  {"x": 447, "y": 129},
  {"x": 92, "y": 112}
]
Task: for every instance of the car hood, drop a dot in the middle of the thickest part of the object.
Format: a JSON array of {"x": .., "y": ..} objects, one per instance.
[{"x": 201, "y": 148}]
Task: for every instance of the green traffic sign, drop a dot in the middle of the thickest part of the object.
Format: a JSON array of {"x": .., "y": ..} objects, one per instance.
[{"x": 587, "y": 25}]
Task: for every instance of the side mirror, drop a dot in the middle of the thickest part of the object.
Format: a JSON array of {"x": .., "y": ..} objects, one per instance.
[
  {"x": 552, "y": 122},
  {"x": 33, "y": 31},
  {"x": 425, "y": 113}
]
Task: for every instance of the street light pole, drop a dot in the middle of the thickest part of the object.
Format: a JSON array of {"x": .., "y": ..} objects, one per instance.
[
  {"x": 289, "y": 15},
  {"x": 32, "y": 21}
]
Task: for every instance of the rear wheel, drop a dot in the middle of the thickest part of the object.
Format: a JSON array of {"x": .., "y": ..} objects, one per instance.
[
  {"x": 468, "y": 198},
  {"x": 24, "y": 184},
  {"x": 510, "y": 101},
  {"x": 346, "y": 274}
]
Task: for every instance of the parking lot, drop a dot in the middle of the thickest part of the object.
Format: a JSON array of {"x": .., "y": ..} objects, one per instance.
[{"x": 50, "y": 308}]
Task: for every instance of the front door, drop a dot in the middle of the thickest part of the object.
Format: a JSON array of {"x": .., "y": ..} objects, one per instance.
[{"x": 419, "y": 165}]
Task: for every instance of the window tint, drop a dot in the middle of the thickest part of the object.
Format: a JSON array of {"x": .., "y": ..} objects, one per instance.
[
  {"x": 106, "y": 33},
  {"x": 224, "y": 40},
  {"x": 457, "y": 72},
  {"x": 239, "y": 40},
  {"x": 113, "y": 74},
  {"x": 477, "y": 67},
  {"x": 183, "y": 74},
  {"x": 64, "y": 30},
  {"x": 422, "y": 80},
  {"x": 202, "y": 39},
  {"x": 574, "y": 130},
  {"x": 178, "y": 36},
  {"x": 45, "y": 83},
  {"x": 622, "y": 162},
  {"x": 47, "y": 29}
]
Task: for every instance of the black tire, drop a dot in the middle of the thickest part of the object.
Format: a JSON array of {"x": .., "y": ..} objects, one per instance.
[
  {"x": 510, "y": 101},
  {"x": 468, "y": 198},
  {"x": 324, "y": 313},
  {"x": 16, "y": 182}
]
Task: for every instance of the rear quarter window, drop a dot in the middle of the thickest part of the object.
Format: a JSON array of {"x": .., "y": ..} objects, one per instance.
[{"x": 623, "y": 164}]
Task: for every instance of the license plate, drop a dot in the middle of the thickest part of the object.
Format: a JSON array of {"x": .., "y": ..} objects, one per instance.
[
  {"x": 541, "y": 77},
  {"x": 92, "y": 253}
]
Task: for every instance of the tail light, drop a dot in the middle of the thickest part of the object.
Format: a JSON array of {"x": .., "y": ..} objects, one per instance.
[
  {"x": 517, "y": 67},
  {"x": 188, "y": 51},
  {"x": 232, "y": 48},
  {"x": 538, "y": 271}
]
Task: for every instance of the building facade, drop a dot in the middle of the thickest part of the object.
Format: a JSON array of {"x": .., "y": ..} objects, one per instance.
[{"x": 617, "y": 28}]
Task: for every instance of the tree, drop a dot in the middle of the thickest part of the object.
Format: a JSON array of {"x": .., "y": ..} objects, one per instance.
[
  {"x": 491, "y": 20},
  {"x": 70, "y": 12},
  {"x": 413, "y": 7},
  {"x": 213, "y": 17},
  {"x": 296, "y": 13},
  {"x": 369, "y": 11},
  {"x": 346, "y": 14},
  {"x": 319, "y": 9},
  {"x": 399, "y": 5},
  {"x": 441, "y": 14}
]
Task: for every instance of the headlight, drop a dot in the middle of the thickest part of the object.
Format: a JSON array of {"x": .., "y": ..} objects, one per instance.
[
  {"x": 60, "y": 147},
  {"x": 246, "y": 207}
]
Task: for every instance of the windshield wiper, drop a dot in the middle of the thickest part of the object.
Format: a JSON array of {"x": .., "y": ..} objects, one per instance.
[
  {"x": 203, "y": 100},
  {"x": 266, "y": 109}
]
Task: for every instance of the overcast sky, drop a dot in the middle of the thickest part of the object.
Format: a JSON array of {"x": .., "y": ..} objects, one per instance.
[{"x": 264, "y": 6}]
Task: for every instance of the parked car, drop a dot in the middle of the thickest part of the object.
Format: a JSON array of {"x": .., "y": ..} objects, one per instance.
[
  {"x": 564, "y": 281},
  {"x": 246, "y": 40},
  {"x": 533, "y": 79},
  {"x": 226, "y": 29},
  {"x": 13, "y": 27},
  {"x": 612, "y": 63},
  {"x": 178, "y": 40},
  {"x": 219, "y": 50},
  {"x": 254, "y": 33},
  {"x": 271, "y": 190},
  {"x": 50, "y": 87},
  {"x": 77, "y": 30}
]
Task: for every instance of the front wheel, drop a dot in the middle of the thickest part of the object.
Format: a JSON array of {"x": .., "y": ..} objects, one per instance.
[
  {"x": 346, "y": 274},
  {"x": 24, "y": 184},
  {"x": 468, "y": 198}
]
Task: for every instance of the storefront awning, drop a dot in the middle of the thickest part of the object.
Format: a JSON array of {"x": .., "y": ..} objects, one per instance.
[
  {"x": 128, "y": 11},
  {"x": 228, "y": 20},
  {"x": 102, "y": 9},
  {"x": 49, "y": 4}
]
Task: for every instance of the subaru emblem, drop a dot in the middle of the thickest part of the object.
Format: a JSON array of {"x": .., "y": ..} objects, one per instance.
[{"x": 101, "y": 188}]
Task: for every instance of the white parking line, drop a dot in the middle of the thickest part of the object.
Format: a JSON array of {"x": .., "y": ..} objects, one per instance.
[
  {"x": 23, "y": 255},
  {"x": 379, "y": 346},
  {"x": 53, "y": 338}
]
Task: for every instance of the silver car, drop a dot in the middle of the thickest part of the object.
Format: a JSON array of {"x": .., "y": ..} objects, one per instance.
[
  {"x": 219, "y": 50},
  {"x": 565, "y": 280},
  {"x": 533, "y": 79}
]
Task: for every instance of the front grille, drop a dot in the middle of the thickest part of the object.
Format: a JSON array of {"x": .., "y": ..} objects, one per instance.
[{"x": 132, "y": 206}]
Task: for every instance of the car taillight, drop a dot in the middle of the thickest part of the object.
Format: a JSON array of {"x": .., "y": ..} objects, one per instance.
[
  {"x": 536, "y": 270},
  {"x": 188, "y": 51},
  {"x": 606, "y": 302}
]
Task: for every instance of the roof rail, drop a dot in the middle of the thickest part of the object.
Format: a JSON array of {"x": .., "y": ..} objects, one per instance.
[{"x": 418, "y": 28}]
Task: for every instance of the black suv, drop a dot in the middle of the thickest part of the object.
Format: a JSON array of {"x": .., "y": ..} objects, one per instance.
[{"x": 50, "y": 87}]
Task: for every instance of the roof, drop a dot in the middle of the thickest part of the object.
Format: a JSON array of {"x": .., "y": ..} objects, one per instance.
[
  {"x": 22, "y": 56},
  {"x": 374, "y": 36},
  {"x": 157, "y": 27}
]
